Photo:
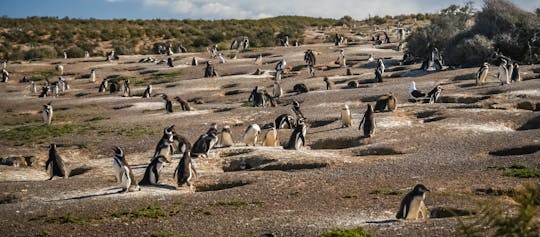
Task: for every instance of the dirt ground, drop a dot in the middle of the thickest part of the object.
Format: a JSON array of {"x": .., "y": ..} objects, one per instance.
[{"x": 457, "y": 147}]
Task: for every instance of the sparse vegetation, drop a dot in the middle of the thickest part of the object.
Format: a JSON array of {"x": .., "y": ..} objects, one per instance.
[
  {"x": 520, "y": 219},
  {"x": 355, "y": 232},
  {"x": 154, "y": 212},
  {"x": 65, "y": 219},
  {"x": 520, "y": 171},
  {"x": 34, "y": 133},
  {"x": 385, "y": 191},
  {"x": 235, "y": 203}
]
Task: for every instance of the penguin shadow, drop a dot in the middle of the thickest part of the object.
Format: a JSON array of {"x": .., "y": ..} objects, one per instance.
[
  {"x": 389, "y": 221},
  {"x": 160, "y": 185},
  {"x": 107, "y": 192},
  {"x": 79, "y": 171}
]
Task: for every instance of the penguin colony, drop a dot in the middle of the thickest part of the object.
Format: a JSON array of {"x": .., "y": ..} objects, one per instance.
[{"x": 412, "y": 206}]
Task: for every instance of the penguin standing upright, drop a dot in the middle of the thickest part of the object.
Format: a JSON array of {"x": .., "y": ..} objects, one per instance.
[
  {"x": 329, "y": 84},
  {"x": 103, "y": 86},
  {"x": 368, "y": 122},
  {"x": 55, "y": 164},
  {"x": 127, "y": 90},
  {"x": 284, "y": 121},
  {"x": 168, "y": 103},
  {"x": 434, "y": 94},
  {"x": 93, "y": 75},
  {"x": 413, "y": 204},
  {"x": 123, "y": 171},
  {"x": 184, "y": 172},
  {"x": 226, "y": 137},
  {"x": 278, "y": 91},
  {"x": 47, "y": 113},
  {"x": 482, "y": 74},
  {"x": 165, "y": 144},
  {"x": 251, "y": 134},
  {"x": 297, "y": 111},
  {"x": 298, "y": 136},
  {"x": 33, "y": 88},
  {"x": 256, "y": 97},
  {"x": 516, "y": 76},
  {"x": 271, "y": 139},
  {"x": 183, "y": 104},
  {"x": 147, "y": 92},
  {"x": 503, "y": 73},
  {"x": 346, "y": 120},
  {"x": 206, "y": 142},
  {"x": 151, "y": 174}
]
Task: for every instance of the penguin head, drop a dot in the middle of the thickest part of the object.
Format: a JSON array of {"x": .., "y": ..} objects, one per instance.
[
  {"x": 503, "y": 62},
  {"x": 486, "y": 64},
  {"x": 52, "y": 146},
  {"x": 325, "y": 79},
  {"x": 296, "y": 104},
  {"x": 226, "y": 128},
  {"x": 345, "y": 107},
  {"x": 118, "y": 151},
  {"x": 420, "y": 189}
]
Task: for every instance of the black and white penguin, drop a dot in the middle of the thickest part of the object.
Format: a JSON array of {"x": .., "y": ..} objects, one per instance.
[
  {"x": 184, "y": 172},
  {"x": 206, "y": 142},
  {"x": 147, "y": 92},
  {"x": 168, "y": 103},
  {"x": 284, "y": 121},
  {"x": 516, "y": 76},
  {"x": 482, "y": 74},
  {"x": 503, "y": 73},
  {"x": 226, "y": 137},
  {"x": 123, "y": 171},
  {"x": 277, "y": 90},
  {"x": 44, "y": 91},
  {"x": 194, "y": 61},
  {"x": 170, "y": 62},
  {"x": 165, "y": 145},
  {"x": 296, "y": 110},
  {"x": 47, "y": 113},
  {"x": 256, "y": 97},
  {"x": 251, "y": 135},
  {"x": 151, "y": 174},
  {"x": 298, "y": 136},
  {"x": 413, "y": 204},
  {"x": 103, "y": 86},
  {"x": 434, "y": 94},
  {"x": 127, "y": 90},
  {"x": 183, "y": 104},
  {"x": 55, "y": 164},
  {"x": 378, "y": 75},
  {"x": 367, "y": 124}
]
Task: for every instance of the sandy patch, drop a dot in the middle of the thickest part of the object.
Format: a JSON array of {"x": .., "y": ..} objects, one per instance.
[{"x": 488, "y": 127}]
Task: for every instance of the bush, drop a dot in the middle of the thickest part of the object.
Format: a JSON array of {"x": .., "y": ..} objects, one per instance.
[
  {"x": 470, "y": 52},
  {"x": 40, "y": 53},
  {"x": 75, "y": 52}
]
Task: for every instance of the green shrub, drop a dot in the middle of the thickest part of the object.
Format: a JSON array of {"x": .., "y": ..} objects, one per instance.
[
  {"x": 355, "y": 232},
  {"x": 40, "y": 53}
]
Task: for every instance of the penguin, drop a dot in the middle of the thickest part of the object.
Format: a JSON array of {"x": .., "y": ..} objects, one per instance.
[
  {"x": 434, "y": 94},
  {"x": 329, "y": 84},
  {"x": 277, "y": 89},
  {"x": 258, "y": 60},
  {"x": 148, "y": 92},
  {"x": 510, "y": 68},
  {"x": 194, "y": 61},
  {"x": 127, "y": 90},
  {"x": 503, "y": 73},
  {"x": 151, "y": 174},
  {"x": 184, "y": 172},
  {"x": 44, "y": 91},
  {"x": 170, "y": 62},
  {"x": 392, "y": 102},
  {"x": 93, "y": 75},
  {"x": 346, "y": 119},
  {"x": 47, "y": 113},
  {"x": 226, "y": 138},
  {"x": 251, "y": 134},
  {"x": 482, "y": 74},
  {"x": 168, "y": 103},
  {"x": 206, "y": 142},
  {"x": 380, "y": 65},
  {"x": 413, "y": 204},
  {"x": 367, "y": 122},
  {"x": 271, "y": 139},
  {"x": 298, "y": 136},
  {"x": 296, "y": 110},
  {"x": 183, "y": 104},
  {"x": 183, "y": 143},
  {"x": 516, "y": 76},
  {"x": 123, "y": 171},
  {"x": 284, "y": 121},
  {"x": 103, "y": 86},
  {"x": 378, "y": 75},
  {"x": 256, "y": 97},
  {"x": 414, "y": 92},
  {"x": 268, "y": 99},
  {"x": 33, "y": 88},
  {"x": 165, "y": 144},
  {"x": 55, "y": 164},
  {"x": 60, "y": 69}
]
